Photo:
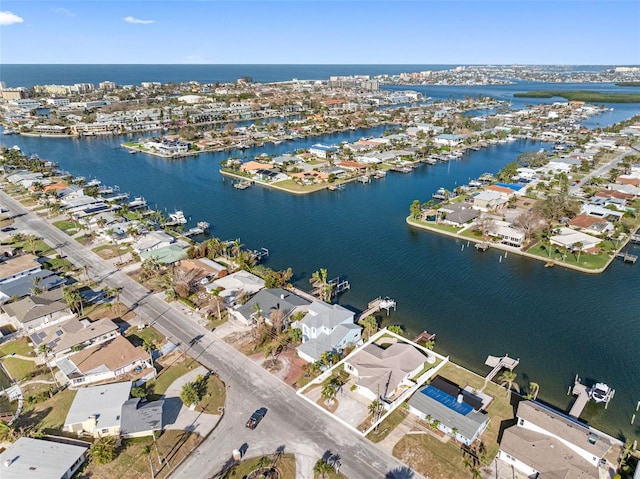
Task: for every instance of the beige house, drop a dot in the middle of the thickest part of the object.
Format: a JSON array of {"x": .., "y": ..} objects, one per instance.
[
  {"x": 36, "y": 312},
  {"x": 385, "y": 373},
  {"x": 107, "y": 361}
]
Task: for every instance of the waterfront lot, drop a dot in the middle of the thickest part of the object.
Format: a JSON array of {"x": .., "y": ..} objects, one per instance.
[{"x": 430, "y": 456}]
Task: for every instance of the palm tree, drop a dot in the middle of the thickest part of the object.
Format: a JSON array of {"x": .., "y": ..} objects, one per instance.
[
  {"x": 328, "y": 393},
  {"x": 103, "y": 450},
  {"x": 578, "y": 245},
  {"x": 36, "y": 290},
  {"x": 319, "y": 280},
  {"x": 236, "y": 247},
  {"x": 101, "y": 221},
  {"x": 7, "y": 432},
  {"x": 534, "y": 388},
  {"x": 370, "y": 326},
  {"x": 45, "y": 349},
  {"x": 322, "y": 469},
  {"x": 395, "y": 328},
  {"x": 73, "y": 299},
  {"x": 507, "y": 379},
  {"x": 31, "y": 242}
]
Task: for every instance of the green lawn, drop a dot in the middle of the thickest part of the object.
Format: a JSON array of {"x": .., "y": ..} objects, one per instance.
[
  {"x": 69, "y": 227},
  {"x": 49, "y": 414},
  {"x": 214, "y": 397},
  {"x": 19, "y": 368},
  {"x": 291, "y": 185},
  {"x": 434, "y": 226},
  {"x": 161, "y": 383},
  {"x": 17, "y": 346},
  {"x": 586, "y": 260},
  {"x": 147, "y": 334},
  {"x": 58, "y": 264}
]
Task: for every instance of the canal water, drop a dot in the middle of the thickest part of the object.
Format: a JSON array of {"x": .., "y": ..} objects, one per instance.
[{"x": 558, "y": 322}]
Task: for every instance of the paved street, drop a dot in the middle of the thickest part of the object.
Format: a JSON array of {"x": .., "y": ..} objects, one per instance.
[
  {"x": 290, "y": 421},
  {"x": 602, "y": 171}
]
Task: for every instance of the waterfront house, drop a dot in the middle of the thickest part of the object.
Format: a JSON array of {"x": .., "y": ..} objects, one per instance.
[
  {"x": 459, "y": 411},
  {"x": 40, "y": 459},
  {"x": 74, "y": 334},
  {"x": 323, "y": 151},
  {"x": 544, "y": 443},
  {"x": 152, "y": 240},
  {"x": 37, "y": 311},
  {"x": 97, "y": 410},
  {"x": 508, "y": 234},
  {"x": 326, "y": 328},
  {"x": 385, "y": 373},
  {"x": 265, "y": 302},
  {"x": 457, "y": 214},
  {"x": 253, "y": 166},
  {"x": 107, "y": 361},
  {"x": 506, "y": 191},
  {"x": 487, "y": 200},
  {"x": 568, "y": 238},
  {"x": 446, "y": 139},
  {"x": 167, "y": 254},
  {"x": 232, "y": 285}
]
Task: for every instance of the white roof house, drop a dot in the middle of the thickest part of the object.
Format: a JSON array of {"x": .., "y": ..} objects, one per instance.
[
  {"x": 568, "y": 237},
  {"x": 326, "y": 328},
  {"x": 29, "y": 458},
  {"x": 152, "y": 240},
  {"x": 235, "y": 283},
  {"x": 96, "y": 410}
]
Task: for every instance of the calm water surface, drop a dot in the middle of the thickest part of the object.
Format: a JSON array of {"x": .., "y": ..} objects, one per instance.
[{"x": 559, "y": 323}]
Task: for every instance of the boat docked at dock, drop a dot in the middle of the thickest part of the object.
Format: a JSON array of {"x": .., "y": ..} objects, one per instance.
[
  {"x": 600, "y": 392},
  {"x": 138, "y": 202},
  {"x": 242, "y": 185},
  {"x": 176, "y": 218}
]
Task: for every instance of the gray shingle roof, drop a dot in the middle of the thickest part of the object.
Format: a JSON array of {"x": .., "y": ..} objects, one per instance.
[
  {"x": 271, "y": 299},
  {"x": 140, "y": 417}
]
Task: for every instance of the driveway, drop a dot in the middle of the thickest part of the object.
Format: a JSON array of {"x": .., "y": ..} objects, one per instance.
[{"x": 178, "y": 416}]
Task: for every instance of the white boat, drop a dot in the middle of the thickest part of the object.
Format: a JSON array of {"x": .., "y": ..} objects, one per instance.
[
  {"x": 138, "y": 202},
  {"x": 600, "y": 392},
  {"x": 178, "y": 217}
]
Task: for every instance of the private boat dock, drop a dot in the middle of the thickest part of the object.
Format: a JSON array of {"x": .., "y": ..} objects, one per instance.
[
  {"x": 376, "y": 305},
  {"x": 424, "y": 338},
  {"x": 635, "y": 238},
  {"x": 260, "y": 254},
  {"x": 627, "y": 257},
  {"x": 584, "y": 395},
  {"x": 202, "y": 228},
  {"x": 497, "y": 364}
]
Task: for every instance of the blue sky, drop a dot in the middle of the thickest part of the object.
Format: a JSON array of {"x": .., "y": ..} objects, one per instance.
[{"x": 366, "y": 32}]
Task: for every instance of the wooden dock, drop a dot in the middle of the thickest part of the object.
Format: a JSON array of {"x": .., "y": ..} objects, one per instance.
[
  {"x": 498, "y": 363},
  {"x": 424, "y": 337},
  {"x": 482, "y": 246},
  {"x": 627, "y": 257},
  {"x": 372, "y": 308},
  {"x": 579, "y": 390}
]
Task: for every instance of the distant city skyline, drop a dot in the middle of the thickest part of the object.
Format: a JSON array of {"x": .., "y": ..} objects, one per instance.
[{"x": 321, "y": 32}]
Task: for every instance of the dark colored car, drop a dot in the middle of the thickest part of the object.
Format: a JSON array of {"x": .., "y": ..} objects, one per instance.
[
  {"x": 7, "y": 229},
  {"x": 256, "y": 417}
]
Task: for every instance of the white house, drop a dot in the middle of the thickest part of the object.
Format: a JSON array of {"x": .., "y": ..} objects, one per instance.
[
  {"x": 326, "y": 328},
  {"x": 40, "y": 459},
  {"x": 97, "y": 410},
  {"x": 152, "y": 240},
  {"x": 568, "y": 238},
  {"x": 323, "y": 151},
  {"x": 448, "y": 140},
  {"x": 508, "y": 234},
  {"x": 550, "y": 444}
]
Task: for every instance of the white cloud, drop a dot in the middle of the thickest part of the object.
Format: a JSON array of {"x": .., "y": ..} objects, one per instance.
[
  {"x": 64, "y": 11},
  {"x": 137, "y": 20},
  {"x": 8, "y": 18}
]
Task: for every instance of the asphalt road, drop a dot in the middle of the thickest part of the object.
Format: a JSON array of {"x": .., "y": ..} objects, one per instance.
[
  {"x": 290, "y": 421},
  {"x": 602, "y": 171}
]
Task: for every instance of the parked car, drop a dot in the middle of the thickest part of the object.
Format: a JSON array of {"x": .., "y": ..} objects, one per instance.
[
  {"x": 7, "y": 229},
  {"x": 256, "y": 417}
]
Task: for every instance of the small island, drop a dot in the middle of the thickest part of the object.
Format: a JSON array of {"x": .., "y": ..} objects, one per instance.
[{"x": 583, "y": 95}]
